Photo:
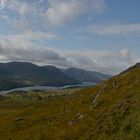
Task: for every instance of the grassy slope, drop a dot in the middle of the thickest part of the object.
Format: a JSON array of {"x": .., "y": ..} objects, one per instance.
[{"x": 109, "y": 111}]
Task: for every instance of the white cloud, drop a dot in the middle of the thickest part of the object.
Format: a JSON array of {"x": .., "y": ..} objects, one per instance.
[
  {"x": 23, "y": 8},
  {"x": 28, "y": 37},
  {"x": 53, "y": 13},
  {"x": 11, "y": 44},
  {"x": 105, "y": 61},
  {"x": 114, "y": 29},
  {"x": 23, "y": 15},
  {"x": 62, "y": 11},
  {"x": 20, "y": 47},
  {"x": 2, "y": 4}
]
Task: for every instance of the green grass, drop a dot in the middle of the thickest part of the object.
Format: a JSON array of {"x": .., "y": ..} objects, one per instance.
[{"x": 71, "y": 115}]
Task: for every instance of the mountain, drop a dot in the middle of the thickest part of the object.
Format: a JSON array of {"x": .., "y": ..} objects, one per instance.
[
  {"x": 86, "y": 76},
  {"x": 19, "y": 74},
  {"x": 107, "y": 111}
]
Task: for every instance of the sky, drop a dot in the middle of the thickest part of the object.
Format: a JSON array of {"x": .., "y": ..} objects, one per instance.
[{"x": 96, "y": 35}]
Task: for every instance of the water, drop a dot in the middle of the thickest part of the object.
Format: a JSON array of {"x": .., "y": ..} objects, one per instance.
[{"x": 84, "y": 84}]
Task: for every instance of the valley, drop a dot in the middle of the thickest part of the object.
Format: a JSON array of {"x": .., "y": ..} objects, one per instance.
[
  {"x": 15, "y": 75},
  {"x": 108, "y": 111}
]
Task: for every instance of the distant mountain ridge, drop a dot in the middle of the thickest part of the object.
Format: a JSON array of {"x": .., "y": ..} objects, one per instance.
[
  {"x": 86, "y": 76},
  {"x": 20, "y": 74}
]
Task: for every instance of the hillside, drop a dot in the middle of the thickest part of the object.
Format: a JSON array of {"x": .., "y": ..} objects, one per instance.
[
  {"x": 86, "y": 76},
  {"x": 18, "y": 74},
  {"x": 109, "y": 111},
  {"x": 137, "y": 65}
]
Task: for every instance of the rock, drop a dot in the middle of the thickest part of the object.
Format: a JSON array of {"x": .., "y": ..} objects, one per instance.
[
  {"x": 19, "y": 119},
  {"x": 79, "y": 116}
]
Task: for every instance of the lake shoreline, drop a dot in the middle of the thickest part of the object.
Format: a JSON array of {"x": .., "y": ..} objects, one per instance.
[{"x": 84, "y": 84}]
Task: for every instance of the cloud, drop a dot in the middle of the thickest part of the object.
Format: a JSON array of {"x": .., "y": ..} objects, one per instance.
[
  {"x": 21, "y": 48},
  {"x": 4, "y": 17},
  {"x": 63, "y": 11},
  {"x": 28, "y": 19},
  {"x": 2, "y": 4},
  {"x": 21, "y": 15},
  {"x": 22, "y": 8},
  {"x": 114, "y": 29},
  {"x": 24, "y": 46},
  {"x": 28, "y": 37},
  {"x": 105, "y": 61},
  {"x": 25, "y": 51},
  {"x": 53, "y": 13}
]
